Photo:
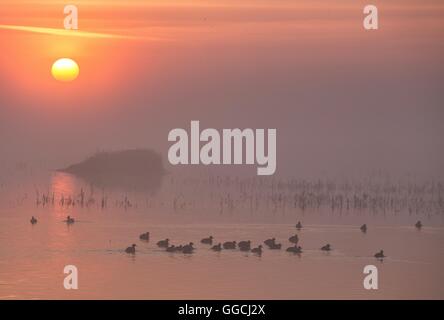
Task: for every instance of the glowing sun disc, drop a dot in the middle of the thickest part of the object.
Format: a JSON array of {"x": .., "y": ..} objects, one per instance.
[{"x": 65, "y": 70}]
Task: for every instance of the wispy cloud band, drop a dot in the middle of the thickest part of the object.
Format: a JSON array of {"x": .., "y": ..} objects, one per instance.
[{"x": 75, "y": 33}]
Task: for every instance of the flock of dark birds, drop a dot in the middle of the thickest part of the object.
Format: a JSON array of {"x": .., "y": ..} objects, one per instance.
[{"x": 244, "y": 246}]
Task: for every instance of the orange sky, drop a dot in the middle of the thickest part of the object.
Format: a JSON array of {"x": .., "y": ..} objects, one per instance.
[
  {"x": 167, "y": 23},
  {"x": 168, "y": 61}
]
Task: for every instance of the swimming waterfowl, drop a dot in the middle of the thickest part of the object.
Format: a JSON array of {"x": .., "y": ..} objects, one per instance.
[
  {"x": 295, "y": 249},
  {"x": 145, "y": 236},
  {"x": 327, "y": 247},
  {"x": 299, "y": 225},
  {"x": 188, "y": 248},
  {"x": 270, "y": 242},
  {"x": 294, "y": 239},
  {"x": 69, "y": 220},
  {"x": 131, "y": 249},
  {"x": 171, "y": 248},
  {"x": 364, "y": 228},
  {"x": 163, "y": 243},
  {"x": 244, "y": 245},
  {"x": 208, "y": 240},
  {"x": 257, "y": 250},
  {"x": 217, "y": 247},
  {"x": 418, "y": 225},
  {"x": 380, "y": 255},
  {"x": 275, "y": 246},
  {"x": 33, "y": 220},
  {"x": 229, "y": 245}
]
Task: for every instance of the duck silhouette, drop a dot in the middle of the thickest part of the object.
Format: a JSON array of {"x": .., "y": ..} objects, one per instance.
[
  {"x": 187, "y": 249},
  {"x": 163, "y": 243},
  {"x": 217, "y": 247},
  {"x": 131, "y": 249},
  {"x": 364, "y": 228},
  {"x": 208, "y": 240},
  {"x": 327, "y": 247},
  {"x": 299, "y": 225},
  {"x": 275, "y": 246},
  {"x": 171, "y": 248},
  {"x": 244, "y": 245},
  {"x": 257, "y": 250},
  {"x": 229, "y": 245},
  {"x": 418, "y": 225},
  {"x": 33, "y": 220},
  {"x": 380, "y": 255},
  {"x": 294, "y": 239},
  {"x": 294, "y": 249},
  {"x": 270, "y": 242},
  {"x": 145, "y": 236},
  {"x": 69, "y": 220}
]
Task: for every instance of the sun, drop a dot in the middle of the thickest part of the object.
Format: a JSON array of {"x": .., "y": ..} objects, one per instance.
[{"x": 65, "y": 70}]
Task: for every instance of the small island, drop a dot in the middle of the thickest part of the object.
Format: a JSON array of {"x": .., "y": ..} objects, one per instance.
[{"x": 139, "y": 169}]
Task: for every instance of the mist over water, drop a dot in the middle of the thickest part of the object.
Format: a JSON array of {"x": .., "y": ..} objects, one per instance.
[{"x": 229, "y": 208}]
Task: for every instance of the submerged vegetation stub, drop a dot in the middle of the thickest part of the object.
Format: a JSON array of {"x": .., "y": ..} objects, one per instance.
[{"x": 139, "y": 169}]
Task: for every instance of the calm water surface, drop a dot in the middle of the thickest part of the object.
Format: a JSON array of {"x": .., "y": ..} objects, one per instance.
[{"x": 32, "y": 258}]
